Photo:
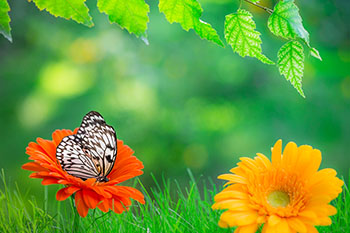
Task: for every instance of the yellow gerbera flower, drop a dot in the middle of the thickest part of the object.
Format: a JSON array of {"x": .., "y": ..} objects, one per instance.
[{"x": 288, "y": 194}]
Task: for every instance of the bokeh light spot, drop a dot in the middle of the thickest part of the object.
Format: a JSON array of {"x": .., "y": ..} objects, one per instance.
[
  {"x": 212, "y": 117},
  {"x": 83, "y": 51},
  {"x": 195, "y": 156},
  {"x": 35, "y": 110},
  {"x": 345, "y": 87},
  {"x": 134, "y": 95},
  {"x": 65, "y": 80}
]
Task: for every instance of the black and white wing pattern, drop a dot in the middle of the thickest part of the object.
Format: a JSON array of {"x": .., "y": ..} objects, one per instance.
[{"x": 91, "y": 152}]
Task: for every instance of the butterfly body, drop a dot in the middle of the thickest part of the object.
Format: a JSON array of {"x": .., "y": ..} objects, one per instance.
[{"x": 91, "y": 152}]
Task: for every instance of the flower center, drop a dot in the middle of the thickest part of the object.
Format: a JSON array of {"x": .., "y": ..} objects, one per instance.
[{"x": 278, "y": 199}]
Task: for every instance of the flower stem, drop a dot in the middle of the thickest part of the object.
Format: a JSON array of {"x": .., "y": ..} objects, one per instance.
[
  {"x": 76, "y": 218},
  {"x": 268, "y": 10}
]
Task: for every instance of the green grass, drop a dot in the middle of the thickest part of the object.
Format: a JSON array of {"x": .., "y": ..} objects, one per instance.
[{"x": 169, "y": 208}]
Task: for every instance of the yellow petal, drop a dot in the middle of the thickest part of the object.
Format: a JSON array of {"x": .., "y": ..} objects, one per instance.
[
  {"x": 252, "y": 228},
  {"x": 265, "y": 162},
  {"x": 249, "y": 163},
  {"x": 297, "y": 225},
  {"x": 325, "y": 221},
  {"x": 223, "y": 224},
  {"x": 283, "y": 227},
  {"x": 238, "y": 171},
  {"x": 311, "y": 229},
  {"x": 290, "y": 158},
  {"x": 308, "y": 216},
  {"x": 276, "y": 153},
  {"x": 236, "y": 205},
  {"x": 309, "y": 162},
  {"x": 269, "y": 229},
  {"x": 331, "y": 210},
  {"x": 239, "y": 218},
  {"x": 230, "y": 195},
  {"x": 322, "y": 210},
  {"x": 274, "y": 220},
  {"x": 319, "y": 200},
  {"x": 233, "y": 178}
]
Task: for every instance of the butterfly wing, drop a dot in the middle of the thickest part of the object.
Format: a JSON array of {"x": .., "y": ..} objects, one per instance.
[
  {"x": 72, "y": 158},
  {"x": 98, "y": 148}
]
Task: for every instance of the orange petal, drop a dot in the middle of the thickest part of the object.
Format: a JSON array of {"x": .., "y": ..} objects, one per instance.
[
  {"x": 133, "y": 193},
  {"x": 101, "y": 191},
  {"x": 116, "y": 206},
  {"x": 58, "y": 135},
  {"x": 64, "y": 193},
  {"x": 47, "y": 181},
  {"x": 104, "y": 205},
  {"x": 33, "y": 166},
  {"x": 39, "y": 157},
  {"x": 91, "y": 198},
  {"x": 125, "y": 177},
  {"x": 64, "y": 182},
  {"x": 89, "y": 182},
  {"x": 79, "y": 203},
  {"x": 32, "y": 146},
  {"x": 129, "y": 167},
  {"x": 49, "y": 148}
]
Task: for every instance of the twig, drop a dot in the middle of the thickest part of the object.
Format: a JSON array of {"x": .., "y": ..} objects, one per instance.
[{"x": 268, "y": 10}]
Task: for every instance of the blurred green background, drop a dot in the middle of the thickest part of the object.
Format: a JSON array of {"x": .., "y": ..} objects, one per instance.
[{"x": 179, "y": 102}]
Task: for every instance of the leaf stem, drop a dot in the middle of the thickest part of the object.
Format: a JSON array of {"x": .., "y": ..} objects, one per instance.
[{"x": 268, "y": 10}]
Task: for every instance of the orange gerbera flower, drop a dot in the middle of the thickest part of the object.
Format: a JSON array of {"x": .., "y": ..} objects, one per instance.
[
  {"x": 287, "y": 195},
  {"x": 89, "y": 194}
]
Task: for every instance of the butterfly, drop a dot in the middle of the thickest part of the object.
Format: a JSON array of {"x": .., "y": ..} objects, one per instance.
[{"x": 91, "y": 152}]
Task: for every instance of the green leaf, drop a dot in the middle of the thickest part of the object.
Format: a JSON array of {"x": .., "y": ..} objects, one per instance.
[
  {"x": 286, "y": 22},
  {"x": 68, "y": 9},
  {"x": 240, "y": 34},
  {"x": 187, "y": 13},
  {"x": 5, "y": 28},
  {"x": 291, "y": 64},
  {"x": 129, "y": 14},
  {"x": 314, "y": 52}
]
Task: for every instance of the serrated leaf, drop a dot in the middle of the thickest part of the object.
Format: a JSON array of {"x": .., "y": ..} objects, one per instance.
[
  {"x": 5, "y": 28},
  {"x": 286, "y": 22},
  {"x": 314, "y": 52},
  {"x": 291, "y": 64},
  {"x": 187, "y": 13},
  {"x": 241, "y": 35},
  {"x": 68, "y": 9},
  {"x": 129, "y": 14}
]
